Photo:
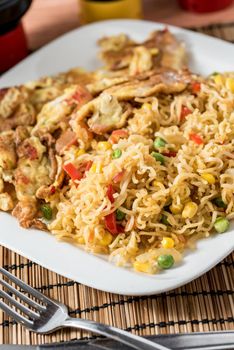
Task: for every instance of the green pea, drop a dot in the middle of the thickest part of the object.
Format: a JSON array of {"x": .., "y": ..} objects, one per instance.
[
  {"x": 117, "y": 153},
  {"x": 159, "y": 142},
  {"x": 164, "y": 220},
  {"x": 46, "y": 211},
  {"x": 158, "y": 156},
  {"x": 119, "y": 215},
  {"x": 221, "y": 224},
  {"x": 165, "y": 261},
  {"x": 219, "y": 203}
]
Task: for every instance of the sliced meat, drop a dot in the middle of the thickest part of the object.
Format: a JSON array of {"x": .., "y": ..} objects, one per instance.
[{"x": 67, "y": 139}]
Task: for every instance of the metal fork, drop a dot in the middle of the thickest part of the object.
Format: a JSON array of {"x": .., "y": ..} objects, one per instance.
[{"x": 49, "y": 315}]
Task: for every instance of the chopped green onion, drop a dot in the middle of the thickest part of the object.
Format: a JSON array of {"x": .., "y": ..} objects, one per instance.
[
  {"x": 158, "y": 156},
  {"x": 221, "y": 224},
  {"x": 119, "y": 215},
  {"x": 164, "y": 220},
  {"x": 46, "y": 211},
  {"x": 214, "y": 73},
  {"x": 117, "y": 153},
  {"x": 159, "y": 142},
  {"x": 165, "y": 261},
  {"x": 219, "y": 203}
]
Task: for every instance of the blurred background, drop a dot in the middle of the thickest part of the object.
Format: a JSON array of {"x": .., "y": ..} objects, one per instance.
[{"x": 44, "y": 20}]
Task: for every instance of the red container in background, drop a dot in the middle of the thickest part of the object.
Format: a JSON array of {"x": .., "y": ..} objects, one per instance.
[
  {"x": 204, "y": 5},
  {"x": 13, "y": 45}
]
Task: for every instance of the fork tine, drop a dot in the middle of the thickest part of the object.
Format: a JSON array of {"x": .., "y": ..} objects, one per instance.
[
  {"x": 19, "y": 306},
  {"x": 22, "y": 296},
  {"x": 17, "y": 317},
  {"x": 25, "y": 286}
]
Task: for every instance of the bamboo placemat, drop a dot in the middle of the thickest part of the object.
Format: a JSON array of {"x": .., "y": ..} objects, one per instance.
[{"x": 205, "y": 304}]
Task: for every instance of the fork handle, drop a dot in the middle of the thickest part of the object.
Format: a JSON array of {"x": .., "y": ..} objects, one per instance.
[{"x": 117, "y": 334}]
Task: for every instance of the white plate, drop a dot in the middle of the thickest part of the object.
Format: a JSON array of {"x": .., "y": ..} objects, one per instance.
[{"x": 78, "y": 48}]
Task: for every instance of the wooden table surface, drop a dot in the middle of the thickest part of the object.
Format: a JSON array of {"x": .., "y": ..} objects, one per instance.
[{"x": 47, "y": 19}]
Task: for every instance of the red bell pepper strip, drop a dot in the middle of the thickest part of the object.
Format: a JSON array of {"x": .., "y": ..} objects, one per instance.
[
  {"x": 196, "y": 87},
  {"x": 117, "y": 178},
  {"x": 80, "y": 96},
  {"x": 196, "y": 138},
  {"x": 118, "y": 134},
  {"x": 110, "y": 192},
  {"x": 72, "y": 171},
  {"x": 110, "y": 223},
  {"x": 88, "y": 165},
  {"x": 184, "y": 112},
  {"x": 170, "y": 154},
  {"x": 120, "y": 228}
]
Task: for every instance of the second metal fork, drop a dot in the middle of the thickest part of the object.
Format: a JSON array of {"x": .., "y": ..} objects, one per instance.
[{"x": 46, "y": 315}]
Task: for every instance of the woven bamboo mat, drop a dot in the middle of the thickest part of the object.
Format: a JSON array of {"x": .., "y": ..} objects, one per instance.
[{"x": 205, "y": 304}]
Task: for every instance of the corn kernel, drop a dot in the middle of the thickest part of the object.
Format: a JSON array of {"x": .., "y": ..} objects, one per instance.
[
  {"x": 154, "y": 51},
  {"x": 156, "y": 183},
  {"x": 176, "y": 208},
  {"x": 106, "y": 239},
  {"x": 190, "y": 209},
  {"x": 104, "y": 146},
  {"x": 79, "y": 152},
  {"x": 147, "y": 106},
  {"x": 80, "y": 240},
  {"x": 230, "y": 84},
  {"x": 93, "y": 168},
  {"x": 209, "y": 178},
  {"x": 96, "y": 169},
  {"x": 218, "y": 79},
  {"x": 141, "y": 267},
  {"x": 167, "y": 242}
]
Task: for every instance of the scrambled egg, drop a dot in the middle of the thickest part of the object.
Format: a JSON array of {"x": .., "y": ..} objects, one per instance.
[{"x": 41, "y": 120}]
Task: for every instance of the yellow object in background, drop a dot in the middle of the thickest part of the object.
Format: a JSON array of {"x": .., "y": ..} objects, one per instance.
[{"x": 98, "y": 10}]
